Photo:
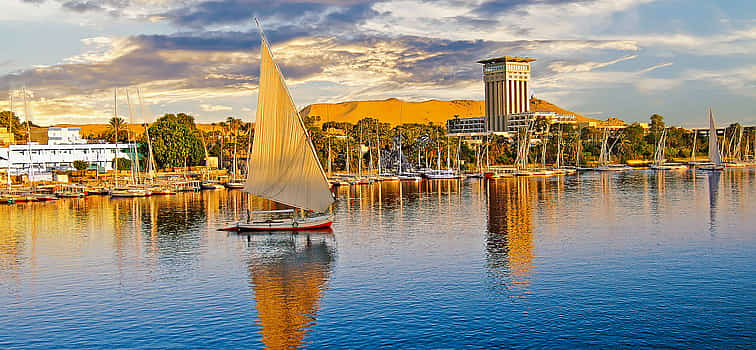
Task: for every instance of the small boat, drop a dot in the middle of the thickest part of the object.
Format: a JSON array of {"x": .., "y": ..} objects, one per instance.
[
  {"x": 541, "y": 172},
  {"x": 498, "y": 173},
  {"x": 7, "y": 199},
  {"x": 409, "y": 178},
  {"x": 669, "y": 166},
  {"x": 613, "y": 167},
  {"x": 389, "y": 178},
  {"x": 734, "y": 164},
  {"x": 44, "y": 197},
  {"x": 212, "y": 185},
  {"x": 441, "y": 174},
  {"x": 282, "y": 220},
  {"x": 128, "y": 192},
  {"x": 234, "y": 185},
  {"x": 72, "y": 192},
  {"x": 26, "y": 197},
  {"x": 97, "y": 190},
  {"x": 283, "y": 160},
  {"x": 162, "y": 190}
]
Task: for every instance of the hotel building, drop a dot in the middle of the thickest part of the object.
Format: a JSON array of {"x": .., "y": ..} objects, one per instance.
[{"x": 506, "y": 82}]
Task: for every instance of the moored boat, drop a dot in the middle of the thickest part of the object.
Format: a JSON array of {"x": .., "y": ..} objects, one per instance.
[{"x": 283, "y": 159}]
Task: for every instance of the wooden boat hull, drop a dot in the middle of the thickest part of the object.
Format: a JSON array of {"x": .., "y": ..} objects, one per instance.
[
  {"x": 234, "y": 186},
  {"x": 711, "y": 168},
  {"x": 129, "y": 194},
  {"x": 71, "y": 195},
  {"x": 668, "y": 167},
  {"x": 285, "y": 225}
]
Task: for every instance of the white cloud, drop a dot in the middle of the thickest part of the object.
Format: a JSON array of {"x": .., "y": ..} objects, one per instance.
[
  {"x": 214, "y": 108},
  {"x": 563, "y": 67}
]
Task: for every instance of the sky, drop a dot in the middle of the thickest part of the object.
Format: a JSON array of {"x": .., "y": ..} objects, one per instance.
[{"x": 619, "y": 58}]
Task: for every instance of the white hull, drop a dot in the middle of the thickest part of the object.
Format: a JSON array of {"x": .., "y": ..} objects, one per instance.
[{"x": 286, "y": 224}]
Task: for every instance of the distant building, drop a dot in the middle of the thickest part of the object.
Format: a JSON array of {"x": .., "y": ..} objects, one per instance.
[
  {"x": 46, "y": 158},
  {"x": 64, "y": 136},
  {"x": 610, "y": 123},
  {"x": 6, "y": 137},
  {"x": 520, "y": 120},
  {"x": 506, "y": 81},
  {"x": 466, "y": 126}
]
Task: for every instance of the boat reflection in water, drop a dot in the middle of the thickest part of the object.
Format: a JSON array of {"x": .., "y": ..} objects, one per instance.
[
  {"x": 288, "y": 273},
  {"x": 509, "y": 238},
  {"x": 713, "y": 178}
]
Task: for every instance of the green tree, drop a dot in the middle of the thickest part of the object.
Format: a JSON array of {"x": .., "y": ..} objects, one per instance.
[
  {"x": 117, "y": 130},
  {"x": 122, "y": 164},
  {"x": 175, "y": 141},
  {"x": 657, "y": 123},
  {"x": 80, "y": 165},
  {"x": 18, "y": 128}
]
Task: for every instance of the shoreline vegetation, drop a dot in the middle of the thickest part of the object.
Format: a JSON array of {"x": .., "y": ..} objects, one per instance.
[{"x": 178, "y": 141}]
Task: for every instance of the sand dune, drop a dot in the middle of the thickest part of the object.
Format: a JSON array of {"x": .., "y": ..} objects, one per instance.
[
  {"x": 396, "y": 111},
  {"x": 391, "y": 111}
]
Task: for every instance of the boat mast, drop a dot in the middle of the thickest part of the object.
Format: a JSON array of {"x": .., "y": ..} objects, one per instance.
[
  {"x": 27, "y": 115},
  {"x": 348, "y": 156},
  {"x": 249, "y": 146},
  {"x": 115, "y": 118},
  {"x": 378, "y": 145},
  {"x": 10, "y": 131},
  {"x": 359, "y": 153},
  {"x": 151, "y": 158},
  {"x": 236, "y": 139},
  {"x": 132, "y": 144},
  {"x": 693, "y": 152}
]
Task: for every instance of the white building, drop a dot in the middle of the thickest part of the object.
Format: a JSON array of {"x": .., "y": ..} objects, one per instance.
[
  {"x": 520, "y": 120},
  {"x": 507, "y": 81},
  {"x": 64, "y": 136},
  {"x": 47, "y": 158}
]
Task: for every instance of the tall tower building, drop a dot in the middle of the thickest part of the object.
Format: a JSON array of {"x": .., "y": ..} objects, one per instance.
[{"x": 506, "y": 80}]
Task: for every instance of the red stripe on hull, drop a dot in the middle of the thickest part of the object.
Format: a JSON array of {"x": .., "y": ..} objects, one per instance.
[{"x": 299, "y": 228}]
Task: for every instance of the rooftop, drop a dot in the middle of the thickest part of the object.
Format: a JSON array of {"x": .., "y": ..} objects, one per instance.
[{"x": 504, "y": 59}]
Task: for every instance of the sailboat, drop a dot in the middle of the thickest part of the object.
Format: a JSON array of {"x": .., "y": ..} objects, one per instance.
[
  {"x": 284, "y": 166},
  {"x": 606, "y": 155},
  {"x": 714, "y": 157},
  {"x": 132, "y": 190},
  {"x": 659, "y": 157}
]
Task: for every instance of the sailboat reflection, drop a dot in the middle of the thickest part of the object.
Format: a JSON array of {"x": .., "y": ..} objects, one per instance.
[
  {"x": 288, "y": 273},
  {"x": 713, "y": 194},
  {"x": 509, "y": 240}
]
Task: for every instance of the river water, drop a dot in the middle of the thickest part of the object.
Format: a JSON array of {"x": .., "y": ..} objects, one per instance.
[{"x": 627, "y": 260}]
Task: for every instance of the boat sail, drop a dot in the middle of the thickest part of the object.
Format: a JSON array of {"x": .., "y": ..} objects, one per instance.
[
  {"x": 714, "y": 155},
  {"x": 283, "y": 165}
]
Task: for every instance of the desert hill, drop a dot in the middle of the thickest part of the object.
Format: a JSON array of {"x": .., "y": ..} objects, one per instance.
[
  {"x": 391, "y": 111},
  {"x": 396, "y": 111},
  {"x": 98, "y": 129}
]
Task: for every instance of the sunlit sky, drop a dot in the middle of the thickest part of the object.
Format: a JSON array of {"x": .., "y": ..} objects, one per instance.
[{"x": 622, "y": 58}]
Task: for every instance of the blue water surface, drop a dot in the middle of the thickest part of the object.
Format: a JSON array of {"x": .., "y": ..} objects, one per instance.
[{"x": 627, "y": 260}]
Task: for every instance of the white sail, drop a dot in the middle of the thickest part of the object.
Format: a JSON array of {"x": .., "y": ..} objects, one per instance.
[
  {"x": 714, "y": 156},
  {"x": 283, "y": 166}
]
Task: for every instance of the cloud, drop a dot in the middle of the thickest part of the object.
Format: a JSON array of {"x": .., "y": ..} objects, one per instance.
[
  {"x": 564, "y": 67},
  {"x": 214, "y": 108}
]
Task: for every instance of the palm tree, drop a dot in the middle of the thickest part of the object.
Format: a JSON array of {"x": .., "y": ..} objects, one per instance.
[{"x": 115, "y": 124}]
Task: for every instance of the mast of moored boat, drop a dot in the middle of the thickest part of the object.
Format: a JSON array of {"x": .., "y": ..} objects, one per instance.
[
  {"x": 10, "y": 131},
  {"x": 151, "y": 158},
  {"x": 27, "y": 116},
  {"x": 378, "y": 145},
  {"x": 115, "y": 117},
  {"x": 132, "y": 145},
  {"x": 693, "y": 152}
]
